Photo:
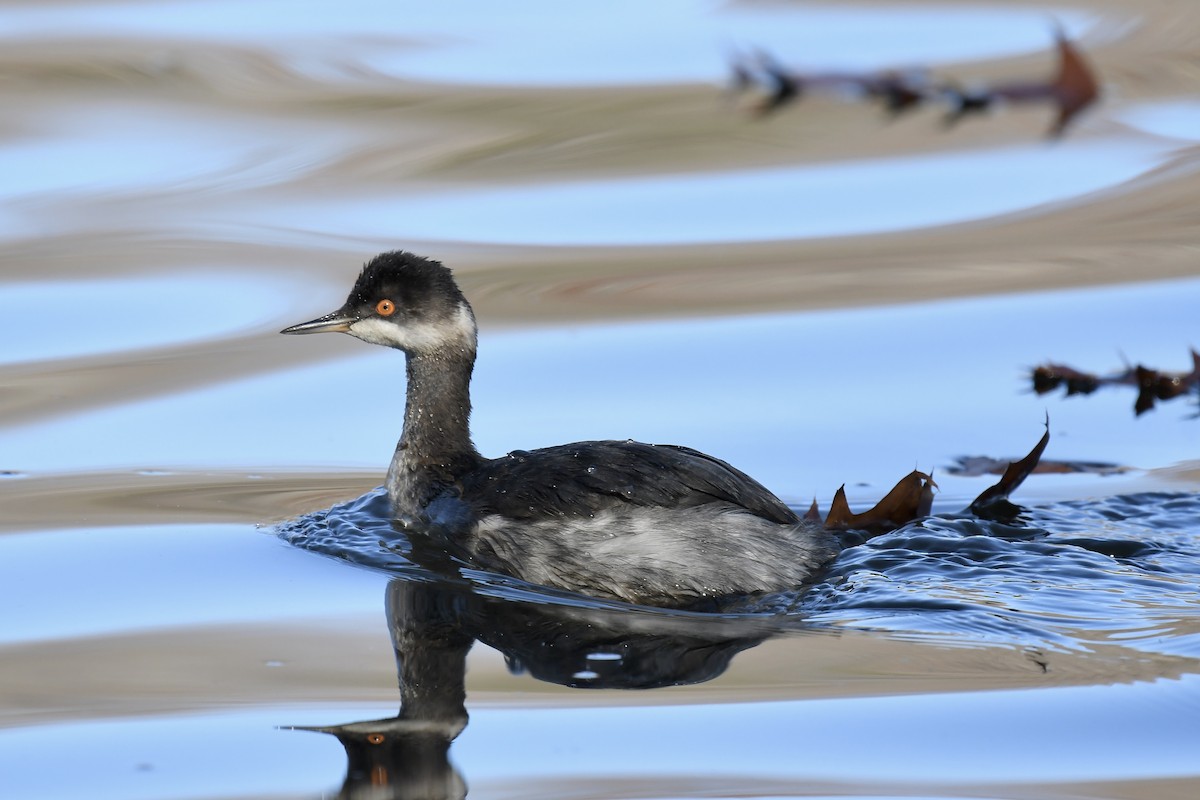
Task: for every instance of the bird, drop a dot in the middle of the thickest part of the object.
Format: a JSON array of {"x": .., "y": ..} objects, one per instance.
[{"x": 647, "y": 524}]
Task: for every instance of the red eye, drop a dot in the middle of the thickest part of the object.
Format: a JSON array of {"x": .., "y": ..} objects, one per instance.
[
  {"x": 385, "y": 308},
  {"x": 375, "y": 738}
]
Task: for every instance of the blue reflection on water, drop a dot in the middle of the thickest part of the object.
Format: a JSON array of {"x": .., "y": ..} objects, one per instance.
[
  {"x": 1086, "y": 733},
  {"x": 801, "y": 401},
  {"x": 635, "y": 42},
  {"x": 129, "y": 146},
  {"x": 536, "y": 42},
  {"x": 855, "y": 197},
  {"x": 1009, "y": 740},
  {"x": 155, "y": 758},
  {"x": 1176, "y": 120},
  {"x": 93, "y": 582},
  {"x": 129, "y": 313}
]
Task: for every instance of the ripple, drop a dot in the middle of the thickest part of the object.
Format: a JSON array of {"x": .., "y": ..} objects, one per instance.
[
  {"x": 1039, "y": 583},
  {"x": 1073, "y": 575},
  {"x": 535, "y": 43},
  {"x": 1175, "y": 120},
  {"x": 686, "y": 382},
  {"x": 109, "y": 150},
  {"x": 185, "y": 575},
  {"x": 855, "y": 197},
  {"x": 134, "y": 150},
  {"x": 128, "y": 314},
  {"x": 622, "y": 42}
]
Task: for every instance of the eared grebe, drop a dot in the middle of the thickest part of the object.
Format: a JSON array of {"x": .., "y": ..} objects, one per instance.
[{"x": 653, "y": 524}]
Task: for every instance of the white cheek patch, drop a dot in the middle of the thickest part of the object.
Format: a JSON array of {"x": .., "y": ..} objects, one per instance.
[
  {"x": 376, "y": 331},
  {"x": 457, "y": 331}
]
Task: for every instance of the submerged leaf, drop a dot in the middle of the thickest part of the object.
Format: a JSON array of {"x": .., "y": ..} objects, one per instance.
[{"x": 976, "y": 466}]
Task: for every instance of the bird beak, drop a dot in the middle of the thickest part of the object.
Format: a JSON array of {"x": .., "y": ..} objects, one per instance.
[{"x": 337, "y": 322}]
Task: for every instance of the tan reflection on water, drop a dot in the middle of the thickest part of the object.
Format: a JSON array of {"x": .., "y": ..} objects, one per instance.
[
  {"x": 405, "y": 138},
  {"x": 348, "y": 660}
]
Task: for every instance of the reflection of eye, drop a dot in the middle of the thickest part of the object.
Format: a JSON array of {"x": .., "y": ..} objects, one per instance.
[
  {"x": 385, "y": 308},
  {"x": 375, "y": 738}
]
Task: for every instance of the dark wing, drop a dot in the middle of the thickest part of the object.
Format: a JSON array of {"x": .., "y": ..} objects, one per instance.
[{"x": 580, "y": 479}]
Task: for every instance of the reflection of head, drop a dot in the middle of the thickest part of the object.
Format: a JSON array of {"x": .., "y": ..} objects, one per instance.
[{"x": 397, "y": 759}]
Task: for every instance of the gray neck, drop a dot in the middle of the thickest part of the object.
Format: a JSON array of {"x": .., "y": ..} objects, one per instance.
[{"x": 435, "y": 448}]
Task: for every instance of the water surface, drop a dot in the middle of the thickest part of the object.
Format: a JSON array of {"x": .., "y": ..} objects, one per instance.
[{"x": 822, "y": 298}]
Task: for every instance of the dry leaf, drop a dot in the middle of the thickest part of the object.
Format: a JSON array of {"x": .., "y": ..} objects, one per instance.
[
  {"x": 1071, "y": 89},
  {"x": 1152, "y": 384},
  {"x": 912, "y": 498},
  {"x": 908, "y": 500},
  {"x": 1017, "y": 471}
]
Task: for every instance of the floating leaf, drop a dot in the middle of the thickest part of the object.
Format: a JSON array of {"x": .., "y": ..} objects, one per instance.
[
  {"x": 908, "y": 500},
  {"x": 912, "y": 498},
  {"x": 1072, "y": 88},
  {"x": 975, "y": 466},
  {"x": 1049, "y": 377},
  {"x": 1153, "y": 385},
  {"x": 996, "y": 496}
]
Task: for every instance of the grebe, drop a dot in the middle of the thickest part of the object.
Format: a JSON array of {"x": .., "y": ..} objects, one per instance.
[{"x": 648, "y": 524}]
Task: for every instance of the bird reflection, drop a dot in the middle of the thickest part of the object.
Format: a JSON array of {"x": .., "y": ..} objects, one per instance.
[
  {"x": 433, "y": 626},
  {"x": 396, "y": 758}
]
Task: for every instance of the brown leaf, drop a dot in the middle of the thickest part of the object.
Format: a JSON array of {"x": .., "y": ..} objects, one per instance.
[
  {"x": 925, "y": 501},
  {"x": 1147, "y": 384},
  {"x": 1152, "y": 384},
  {"x": 910, "y": 499},
  {"x": 1048, "y": 377},
  {"x": 1075, "y": 87},
  {"x": 1013, "y": 476}
]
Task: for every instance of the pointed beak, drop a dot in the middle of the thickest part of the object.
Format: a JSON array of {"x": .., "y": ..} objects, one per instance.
[{"x": 337, "y": 322}]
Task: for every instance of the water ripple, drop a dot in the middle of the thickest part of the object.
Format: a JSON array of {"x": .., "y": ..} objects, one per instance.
[
  {"x": 231, "y": 304},
  {"x": 1074, "y": 574},
  {"x": 863, "y": 196},
  {"x": 1068, "y": 576},
  {"x": 527, "y": 43}
]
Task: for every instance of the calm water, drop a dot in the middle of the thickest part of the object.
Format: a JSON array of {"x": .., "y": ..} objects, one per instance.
[{"x": 194, "y": 562}]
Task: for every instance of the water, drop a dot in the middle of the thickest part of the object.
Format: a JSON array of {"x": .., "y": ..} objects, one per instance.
[
  {"x": 820, "y": 298},
  {"x": 619, "y": 43},
  {"x": 860, "y": 197}
]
